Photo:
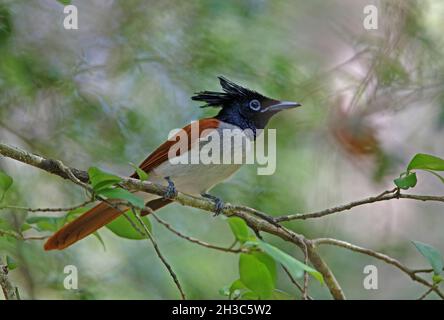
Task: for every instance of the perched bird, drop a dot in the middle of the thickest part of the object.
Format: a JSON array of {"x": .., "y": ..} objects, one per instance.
[{"x": 241, "y": 108}]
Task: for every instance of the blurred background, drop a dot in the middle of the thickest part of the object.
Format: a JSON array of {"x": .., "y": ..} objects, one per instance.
[{"x": 108, "y": 93}]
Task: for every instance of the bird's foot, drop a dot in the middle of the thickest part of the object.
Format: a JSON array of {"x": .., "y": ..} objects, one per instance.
[
  {"x": 219, "y": 205},
  {"x": 171, "y": 191}
]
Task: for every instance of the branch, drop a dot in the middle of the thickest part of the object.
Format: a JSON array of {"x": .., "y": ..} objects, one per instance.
[
  {"x": 197, "y": 241},
  {"x": 48, "y": 209},
  {"x": 380, "y": 256},
  {"x": 424, "y": 270},
  {"x": 300, "y": 288},
  {"x": 160, "y": 255},
  {"x": 252, "y": 217},
  {"x": 425, "y": 294},
  {"x": 19, "y": 236},
  {"x": 10, "y": 292},
  {"x": 386, "y": 195}
]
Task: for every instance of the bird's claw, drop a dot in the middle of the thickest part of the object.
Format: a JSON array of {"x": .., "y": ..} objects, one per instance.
[
  {"x": 170, "y": 192},
  {"x": 219, "y": 205}
]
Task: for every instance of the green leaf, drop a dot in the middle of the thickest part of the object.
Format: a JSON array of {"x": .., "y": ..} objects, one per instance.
[
  {"x": 65, "y": 2},
  {"x": 255, "y": 275},
  {"x": 407, "y": 181},
  {"x": 98, "y": 237},
  {"x": 269, "y": 263},
  {"x": 239, "y": 228},
  {"x": 294, "y": 266},
  {"x": 426, "y": 162},
  {"x": 101, "y": 180},
  {"x": 122, "y": 194},
  {"x": 5, "y": 183},
  {"x": 143, "y": 176},
  {"x": 73, "y": 214},
  {"x": 432, "y": 255},
  {"x": 124, "y": 229},
  {"x": 437, "y": 278},
  {"x": 225, "y": 291},
  {"x": 236, "y": 289},
  {"x": 43, "y": 223},
  {"x": 11, "y": 263}
]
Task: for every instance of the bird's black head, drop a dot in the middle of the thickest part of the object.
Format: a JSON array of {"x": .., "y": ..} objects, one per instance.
[{"x": 242, "y": 107}]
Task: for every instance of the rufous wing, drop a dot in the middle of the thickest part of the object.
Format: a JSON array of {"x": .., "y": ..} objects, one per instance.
[{"x": 160, "y": 155}]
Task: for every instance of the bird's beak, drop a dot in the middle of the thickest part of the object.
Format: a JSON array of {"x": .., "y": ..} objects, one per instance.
[{"x": 282, "y": 105}]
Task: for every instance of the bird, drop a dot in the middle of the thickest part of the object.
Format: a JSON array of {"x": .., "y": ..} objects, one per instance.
[{"x": 240, "y": 108}]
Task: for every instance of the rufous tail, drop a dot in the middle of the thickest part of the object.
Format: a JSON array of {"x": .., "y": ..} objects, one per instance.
[{"x": 83, "y": 226}]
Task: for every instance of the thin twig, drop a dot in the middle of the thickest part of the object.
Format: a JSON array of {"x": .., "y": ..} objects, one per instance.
[
  {"x": 411, "y": 273},
  {"x": 425, "y": 294},
  {"x": 293, "y": 280},
  {"x": 18, "y": 236},
  {"x": 47, "y": 209},
  {"x": 386, "y": 195},
  {"x": 197, "y": 241},
  {"x": 305, "y": 291},
  {"x": 424, "y": 270},
  {"x": 160, "y": 255}
]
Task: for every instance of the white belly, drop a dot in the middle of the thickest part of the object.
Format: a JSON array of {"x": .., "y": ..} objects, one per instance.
[{"x": 199, "y": 177}]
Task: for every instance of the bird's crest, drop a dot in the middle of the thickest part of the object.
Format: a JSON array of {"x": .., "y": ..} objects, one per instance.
[{"x": 232, "y": 91}]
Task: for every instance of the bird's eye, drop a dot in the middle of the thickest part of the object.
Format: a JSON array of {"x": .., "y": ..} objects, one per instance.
[{"x": 254, "y": 105}]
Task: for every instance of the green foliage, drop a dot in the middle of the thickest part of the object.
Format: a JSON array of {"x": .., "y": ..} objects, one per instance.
[
  {"x": 124, "y": 229},
  {"x": 420, "y": 161},
  {"x": 99, "y": 238},
  {"x": 101, "y": 180},
  {"x": 406, "y": 181},
  {"x": 239, "y": 228},
  {"x": 255, "y": 275},
  {"x": 437, "y": 278},
  {"x": 143, "y": 176},
  {"x": 73, "y": 214},
  {"x": 11, "y": 263},
  {"x": 294, "y": 266},
  {"x": 46, "y": 223},
  {"x": 269, "y": 262},
  {"x": 5, "y": 183},
  {"x": 432, "y": 255},
  {"x": 122, "y": 194},
  {"x": 103, "y": 184},
  {"x": 64, "y": 2},
  {"x": 426, "y": 162},
  {"x": 237, "y": 289},
  {"x": 257, "y": 269}
]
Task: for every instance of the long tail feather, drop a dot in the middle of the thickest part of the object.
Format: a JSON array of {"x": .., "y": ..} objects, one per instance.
[{"x": 83, "y": 226}]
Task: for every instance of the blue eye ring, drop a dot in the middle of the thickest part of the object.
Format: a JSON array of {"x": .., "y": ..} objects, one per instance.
[{"x": 254, "y": 105}]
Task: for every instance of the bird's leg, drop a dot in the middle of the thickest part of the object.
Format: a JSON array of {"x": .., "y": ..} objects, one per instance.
[
  {"x": 218, "y": 203},
  {"x": 171, "y": 191}
]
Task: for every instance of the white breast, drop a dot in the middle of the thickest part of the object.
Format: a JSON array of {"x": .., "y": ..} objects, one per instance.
[{"x": 198, "y": 178}]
